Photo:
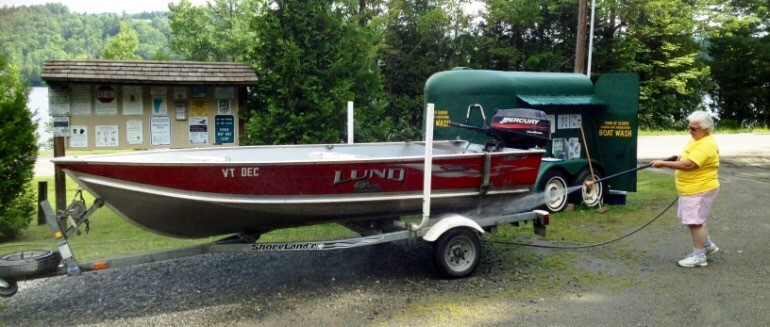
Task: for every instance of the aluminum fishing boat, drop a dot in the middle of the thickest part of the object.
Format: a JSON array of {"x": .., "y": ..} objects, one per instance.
[{"x": 253, "y": 189}]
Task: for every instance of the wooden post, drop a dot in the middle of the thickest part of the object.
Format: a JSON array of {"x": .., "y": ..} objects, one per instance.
[
  {"x": 243, "y": 112},
  {"x": 60, "y": 183},
  {"x": 42, "y": 194},
  {"x": 580, "y": 46}
]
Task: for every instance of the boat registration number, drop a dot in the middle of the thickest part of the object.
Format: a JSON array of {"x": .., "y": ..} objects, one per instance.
[{"x": 244, "y": 172}]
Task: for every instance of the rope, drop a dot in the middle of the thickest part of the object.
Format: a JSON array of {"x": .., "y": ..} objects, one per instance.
[{"x": 565, "y": 247}]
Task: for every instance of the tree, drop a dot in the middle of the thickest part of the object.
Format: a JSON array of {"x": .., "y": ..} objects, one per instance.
[
  {"x": 33, "y": 34},
  {"x": 153, "y": 37},
  {"x": 420, "y": 38},
  {"x": 659, "y": 39},
  {"x": 18, "y": 152},
  {"x": 123, "y": 46},
  {"x": 218, "y": 31},
  {"x": 311, "y": 57},
  {"x": 738, "y": 56},
  {"x": 525, "y": 35}
]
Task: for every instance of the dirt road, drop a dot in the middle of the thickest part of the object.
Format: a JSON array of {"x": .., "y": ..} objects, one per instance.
[{"x": 633, "y": 283}]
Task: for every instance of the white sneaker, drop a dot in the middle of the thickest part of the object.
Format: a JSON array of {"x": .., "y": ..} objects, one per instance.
[
  {"x": 711, "y": 249},
  {"x": 693, "y": 260}
]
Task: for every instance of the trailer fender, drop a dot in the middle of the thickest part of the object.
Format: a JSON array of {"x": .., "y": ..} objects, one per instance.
[{"x": 448, "y": 222}]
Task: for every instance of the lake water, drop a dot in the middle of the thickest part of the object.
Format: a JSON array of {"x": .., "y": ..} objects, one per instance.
[{"x": 38, "y": 104}]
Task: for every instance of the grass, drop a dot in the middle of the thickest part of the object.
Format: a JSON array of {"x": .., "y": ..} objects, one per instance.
[{"x": 584, "y": 225}]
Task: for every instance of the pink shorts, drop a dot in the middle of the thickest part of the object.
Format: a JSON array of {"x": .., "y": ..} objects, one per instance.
[{"x": 694, "y": 209}]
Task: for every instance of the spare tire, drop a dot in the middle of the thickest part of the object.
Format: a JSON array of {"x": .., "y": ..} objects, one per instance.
[{"x": 28, "y": 263}]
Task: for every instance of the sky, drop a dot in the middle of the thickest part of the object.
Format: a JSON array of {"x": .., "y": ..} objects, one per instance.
[{"x": 102, "y": 6}]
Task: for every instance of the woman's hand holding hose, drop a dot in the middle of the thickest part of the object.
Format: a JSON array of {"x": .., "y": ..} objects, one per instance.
[{"x": 654, "y": 164}]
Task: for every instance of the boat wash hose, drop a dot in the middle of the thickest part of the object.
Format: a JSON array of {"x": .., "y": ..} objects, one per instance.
[
  {"x": 588, "y": 186},
  {"x": 567, "y": 247}
]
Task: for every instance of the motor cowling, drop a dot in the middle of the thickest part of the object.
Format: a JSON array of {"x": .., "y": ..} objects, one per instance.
[{"x": 521, "y": 128}]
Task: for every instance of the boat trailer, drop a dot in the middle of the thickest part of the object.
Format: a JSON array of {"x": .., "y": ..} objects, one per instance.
[{"x": 455, "y": 240}]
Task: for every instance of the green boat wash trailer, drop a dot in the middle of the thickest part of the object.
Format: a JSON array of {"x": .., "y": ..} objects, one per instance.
[{"x": 605, "y": 110}]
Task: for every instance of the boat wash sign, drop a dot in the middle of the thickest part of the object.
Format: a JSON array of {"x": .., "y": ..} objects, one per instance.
[{"x": 146, "y": 104}]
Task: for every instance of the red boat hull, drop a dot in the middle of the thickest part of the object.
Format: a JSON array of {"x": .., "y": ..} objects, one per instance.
[{"x": 199, "y": 199}]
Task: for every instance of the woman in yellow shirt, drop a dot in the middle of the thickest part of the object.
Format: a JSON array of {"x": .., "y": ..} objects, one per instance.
[{"x": 697, "y": 185}]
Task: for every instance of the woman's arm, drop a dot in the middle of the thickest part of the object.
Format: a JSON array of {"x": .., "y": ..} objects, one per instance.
[{"x": 686, "y": 164}]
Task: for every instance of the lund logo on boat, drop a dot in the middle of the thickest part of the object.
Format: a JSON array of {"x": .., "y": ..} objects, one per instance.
[
  {"x": 366, "y": 186},
  {"x": 391, "y": 174}
]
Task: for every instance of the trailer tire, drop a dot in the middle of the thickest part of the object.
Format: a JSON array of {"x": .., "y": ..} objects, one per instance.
[
  {"x": 9, "y": 291},
  {"x": 554, "y": 187},
  {"x": 457, "y": 253},
  {"x": 595, "y": 196},
  {"x": 27, "y": 263}
]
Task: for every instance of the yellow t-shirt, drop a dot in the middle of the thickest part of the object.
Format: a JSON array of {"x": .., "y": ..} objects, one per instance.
[{"x": 705, "y": 154}]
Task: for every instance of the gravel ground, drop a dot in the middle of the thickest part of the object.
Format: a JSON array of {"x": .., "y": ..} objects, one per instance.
[{"x": 632, "y": 283}]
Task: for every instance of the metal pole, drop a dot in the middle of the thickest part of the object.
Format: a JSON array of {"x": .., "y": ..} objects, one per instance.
[
  {"x": 426, "y": 186},
  {"x": 350, "y": 122},
  {"x": 591, "y": 37}
]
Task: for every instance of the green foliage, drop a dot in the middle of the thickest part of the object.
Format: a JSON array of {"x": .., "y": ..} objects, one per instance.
[
  {"x": 33, "y": 34},
  {"x": 123, "y": 46},
  {"x": 18, "y": 152},
  {"x": 311, "y": 59},
  {"x": 529, "y": 35},
  {"x": 420, "y": 38},
  {"x": 657, "y": 39},
  {"x": 218, "y": 31},
  {"x": 739, "y": 55}
]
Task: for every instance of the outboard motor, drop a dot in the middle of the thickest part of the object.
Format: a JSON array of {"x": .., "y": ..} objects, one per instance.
[
  {"x": 521, "y": 128},
  {"x": 516, "y": 128}
]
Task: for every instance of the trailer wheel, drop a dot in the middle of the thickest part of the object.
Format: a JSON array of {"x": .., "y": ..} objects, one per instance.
[
  {"x": 594, "y": 196},
  {"x": 27, "y": 263},
  {"x": 9, "y": 291},
  {"x": 457, "y": 253},
  {"x": 554, "y": 190}
]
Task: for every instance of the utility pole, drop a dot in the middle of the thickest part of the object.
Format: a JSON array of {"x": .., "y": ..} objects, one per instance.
[{"x": 580, "y": 46}]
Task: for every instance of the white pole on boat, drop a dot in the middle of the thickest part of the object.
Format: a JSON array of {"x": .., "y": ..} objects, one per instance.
[
  {"x": 350, "y": 122},
  {"x": 426, "y": 186}
]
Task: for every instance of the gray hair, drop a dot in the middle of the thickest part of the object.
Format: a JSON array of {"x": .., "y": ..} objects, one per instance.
[{"x": 703, "y": 119}]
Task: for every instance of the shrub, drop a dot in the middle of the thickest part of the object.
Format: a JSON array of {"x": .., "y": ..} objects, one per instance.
[
  {"x": 18, "y": 152},
  {"x": 729, "y": 124}
]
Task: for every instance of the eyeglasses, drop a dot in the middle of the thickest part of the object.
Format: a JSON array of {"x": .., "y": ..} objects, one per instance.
[{"x": 693, "y": 129}]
